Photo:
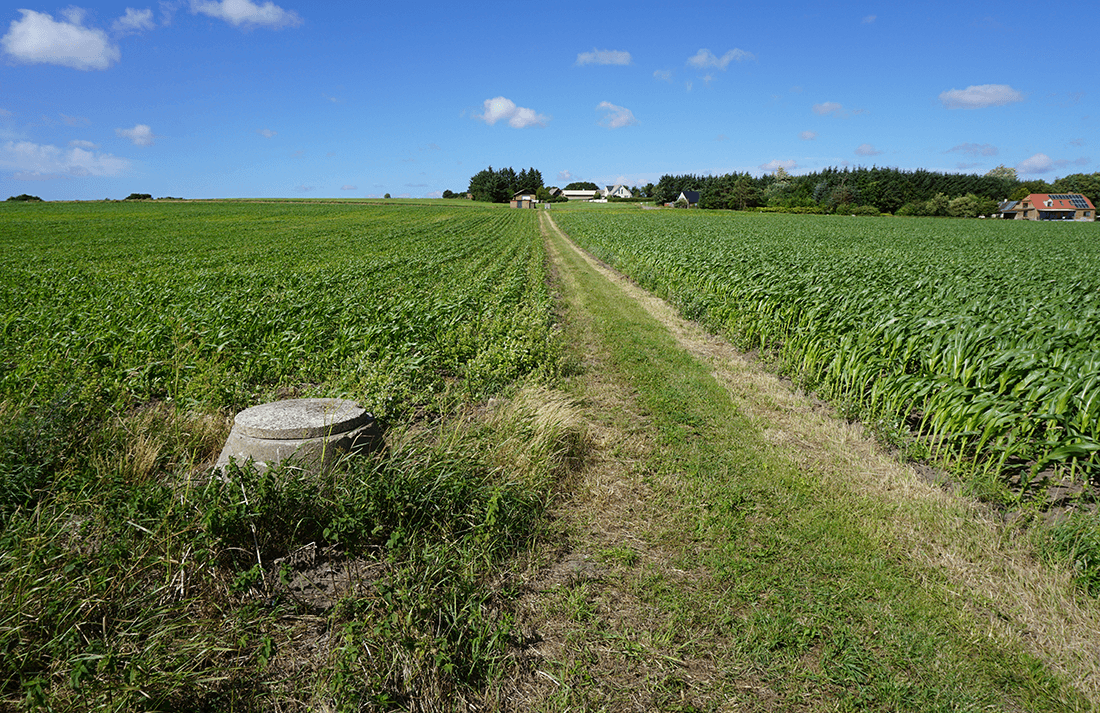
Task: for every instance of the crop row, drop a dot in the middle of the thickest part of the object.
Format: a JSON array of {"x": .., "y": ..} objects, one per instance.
[
  {"x": 983, "y": 337},
  {"x": 212, "y": 305}
]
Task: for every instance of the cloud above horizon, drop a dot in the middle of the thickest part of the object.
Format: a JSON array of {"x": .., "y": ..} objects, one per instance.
[
  {"x": 974, "y": 149},
  {"x": 776, "y": 164},
  {"x": 827, "y": 108},
  {"x": 867, "y": 150},
  {"x": 141, "y": 135},
  {"x": 615, "y": 117},
  {"x": 704, "y": 58},
  {"x": 980, "y": 96},
  {"x": 808, "y": 135},
  {"x": 34, "y": 161},
  {"x": 603, "y": 57},
  {"x": 134, "y": 22},
  {"x": 1041, "y": 163},
  {"x": 245, "y": 13},
  {"x": 518, "y": 117},
  {"x": 39, "y": 39}
]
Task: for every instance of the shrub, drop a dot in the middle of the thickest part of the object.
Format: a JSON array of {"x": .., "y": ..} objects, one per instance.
[{"x": 25, "y": 198}]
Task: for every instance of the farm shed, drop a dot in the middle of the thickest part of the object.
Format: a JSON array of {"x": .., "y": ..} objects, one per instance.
[
  {"x": 1049, "y": 206},
  {"x": 581, "y": 195},
  {"x": 524, "y": 199}
]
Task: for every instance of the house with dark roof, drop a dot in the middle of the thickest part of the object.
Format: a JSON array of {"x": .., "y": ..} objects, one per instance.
[
  {"x": 1049, "y": 206},
  {"x": 689, "y": 197}
]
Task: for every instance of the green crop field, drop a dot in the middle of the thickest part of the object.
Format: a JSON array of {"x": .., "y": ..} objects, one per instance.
[
  {"x": 132, "y": 578},
  {"x": 129, "y": 336},
  {"x": 982, "y": 336}
]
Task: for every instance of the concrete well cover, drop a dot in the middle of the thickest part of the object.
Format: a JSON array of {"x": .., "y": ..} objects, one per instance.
[{"x": 300, "y": 418}]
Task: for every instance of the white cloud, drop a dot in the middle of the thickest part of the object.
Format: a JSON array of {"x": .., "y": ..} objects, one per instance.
[
  {"x": 247, "y": 13},
  {"x": 826, "y": 108},
  {"x": 518, "y": 117},
  {"x": 664, "y": 75},
  {"x": 44, "y": 161},
  {"x": 808, "y": 135},
  {"x": 1041, "y": 163},
  {"x": 974, "y": 149},
  {"x": 867, "y": 150},
  {"x": 303, "y": 189},
  {"x": 565, "y": 176},
  {"x": 133, "y": 22},
  {"x": 705, "y": 58},
  {"x": 266, "y": 133},
  {"x": 4, "y": 113},
  {"x": 776, "y": 163},
  {"x": 616, "y": 117},
  {"x": 141, "y": 135},
  {"x": 39, "y": 39},
  {"x": 75, "y": 120},
  {"x": 869, "y": 19},
  {"x": 83, "y": 144},
  {"x": 980, "y": 96},
  {"x": 349, "y": 188},
  {"x": 603, "y": 57}
]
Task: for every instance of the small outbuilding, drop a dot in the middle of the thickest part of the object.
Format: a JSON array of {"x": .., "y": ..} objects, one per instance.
[
  {"x": 524, "y": 199},
  {"x": 689, "y": 197}
]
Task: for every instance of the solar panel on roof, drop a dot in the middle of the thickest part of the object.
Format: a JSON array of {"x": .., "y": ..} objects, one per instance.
[{"x": 1077, "y": 200}]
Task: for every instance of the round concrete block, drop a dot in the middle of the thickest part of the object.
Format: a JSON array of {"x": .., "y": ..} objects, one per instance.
[{"x": 315, "y": 432}]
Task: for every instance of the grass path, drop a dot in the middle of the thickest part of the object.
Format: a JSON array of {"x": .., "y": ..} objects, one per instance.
[{"x": 734, "y": 547}]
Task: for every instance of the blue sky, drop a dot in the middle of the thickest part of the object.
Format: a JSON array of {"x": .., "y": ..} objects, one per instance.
[{"x": 234, "y": 98}]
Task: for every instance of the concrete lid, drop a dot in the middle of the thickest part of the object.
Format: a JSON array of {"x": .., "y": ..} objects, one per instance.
[{"x": 300, "y": 418}]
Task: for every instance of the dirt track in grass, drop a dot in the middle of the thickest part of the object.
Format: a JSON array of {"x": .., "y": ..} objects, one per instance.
[{"x": 612, "y": 513}]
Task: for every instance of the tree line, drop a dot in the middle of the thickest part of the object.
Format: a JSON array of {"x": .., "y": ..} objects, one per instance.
[
  {"x": 849, "y": 190},
  {"x": 864, "y": 190},
  {"x": 498, "y": 186}
]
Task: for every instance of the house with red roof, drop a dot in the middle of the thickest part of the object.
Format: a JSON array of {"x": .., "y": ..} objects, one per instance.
[{"x": 1049, "y": 206}]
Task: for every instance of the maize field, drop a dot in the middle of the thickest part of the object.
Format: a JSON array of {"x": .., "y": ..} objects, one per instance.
[{"x": 983, "y": 337}]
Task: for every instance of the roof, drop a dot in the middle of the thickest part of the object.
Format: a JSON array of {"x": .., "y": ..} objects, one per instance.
[
  {"x": 691, "y": 196},
  {"x": 1059, "y": 201}
]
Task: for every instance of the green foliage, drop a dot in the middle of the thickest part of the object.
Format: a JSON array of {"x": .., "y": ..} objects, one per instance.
[
  {"x": 35, "y": 446},
  {"x": 1076, "y": 541},
  {"x": 138, "y": 197},
  {"x": 978, "y": 340},
  {"x": 132, "y": 579},
  {"x": 500, "y": 185},
  {"x": 582, "y": 186},
  {"x": 1023, "y": 190},
  {"x": 214, "y": 305},
  {"x": 887, "y": 189},
  {"x": 25, "y": 198}
]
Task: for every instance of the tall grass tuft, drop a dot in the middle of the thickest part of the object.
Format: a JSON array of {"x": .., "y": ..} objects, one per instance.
[{"x": 120, "y": 592}]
